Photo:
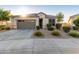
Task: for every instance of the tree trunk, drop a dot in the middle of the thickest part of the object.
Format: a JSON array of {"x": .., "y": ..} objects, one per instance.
[
  {"x": 6, "y": 23},
  {"x": 1, "y": 22}
]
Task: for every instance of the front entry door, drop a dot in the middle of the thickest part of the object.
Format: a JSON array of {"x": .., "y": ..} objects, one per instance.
[{"x": 41, "y": 23}]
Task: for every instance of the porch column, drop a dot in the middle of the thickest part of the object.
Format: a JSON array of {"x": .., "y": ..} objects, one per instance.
[{"x": 37, "y": 21}]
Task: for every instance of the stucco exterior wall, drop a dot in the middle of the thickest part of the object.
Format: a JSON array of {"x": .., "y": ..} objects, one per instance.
[
  {"x": 13, "y": 23},
  {"x": 70, "y": 21},
  {"x": 45, "y": 22}
]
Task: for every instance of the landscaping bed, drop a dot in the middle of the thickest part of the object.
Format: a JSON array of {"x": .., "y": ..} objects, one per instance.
[
  {"x": 4, "y": 28},
  {"x": 47, "y": 34},
  {"x": 53, "y": 32}
]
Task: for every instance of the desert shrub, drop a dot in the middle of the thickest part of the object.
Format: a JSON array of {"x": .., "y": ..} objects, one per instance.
[
  {"x": 74, "y": 33},
  {"x": 7, "y": 28},
  {"x": 37, "y": 27},
  {"x": 66, "y": 29},
  {"x": 55, "y": 33},
  {"x": 38, "y": 34},
  {"x": 2, "y": 27},
  {"x": 50, "y": 27},
  {"x": 75, "y": 27},
  {"x": 58, "y": 26}
]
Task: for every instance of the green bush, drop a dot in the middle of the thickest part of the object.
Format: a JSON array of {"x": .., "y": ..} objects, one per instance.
[
  {"x": 74, "y": 33},
  {"x": 55, "y": 33},
  {"x": 66, "y": 29},
  {"x": 7, "y": 28},
  {"x": 50, "y": 27},
  {"x": 37, "y": 27},
  {"x": 76, "y": 21},
  {"x": 75, "y": 27},
  {"x": 58, "y": 26},
  {"x": 38, "y": 34},
  {"x": 2, "y": 27}
]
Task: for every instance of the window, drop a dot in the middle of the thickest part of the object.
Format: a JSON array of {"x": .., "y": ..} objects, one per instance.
[{"x": 52, "y": 21}]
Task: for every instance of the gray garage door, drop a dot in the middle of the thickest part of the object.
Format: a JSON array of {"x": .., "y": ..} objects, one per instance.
[{"x": 25, "y": 24}]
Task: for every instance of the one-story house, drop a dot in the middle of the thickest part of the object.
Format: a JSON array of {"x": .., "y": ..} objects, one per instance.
[
  {"x": 72, "y": 18},
  {"x": 30, "y": 21}
]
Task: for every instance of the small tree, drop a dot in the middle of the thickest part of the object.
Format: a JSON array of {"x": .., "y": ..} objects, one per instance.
[
  {"x": 4, "y": 15},
  {"x": 1, "y": 13},
  {"x": 76, "y": 22},
  {"x": 59, "y": 17}
]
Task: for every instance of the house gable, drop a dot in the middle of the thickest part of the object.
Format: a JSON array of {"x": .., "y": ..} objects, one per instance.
[{"x": 41, "y": 15}]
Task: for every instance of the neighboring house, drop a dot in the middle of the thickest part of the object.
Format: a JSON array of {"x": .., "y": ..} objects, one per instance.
[
  {"x": 30, "y": 21},
  {"x": 72, "y": 18}
]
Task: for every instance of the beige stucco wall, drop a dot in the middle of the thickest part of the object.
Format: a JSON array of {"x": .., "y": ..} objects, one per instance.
[
  {"x": 45, "y": 22},
  {"x": 37, "y": 21},
  {"x": 71, "y": 20},
  {"x": 13, "y": 23}
]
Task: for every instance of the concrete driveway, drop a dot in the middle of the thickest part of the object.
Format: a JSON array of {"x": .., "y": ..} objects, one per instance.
[
  {"x": 16, "y": 34},
  {"x": 19, "y": 42}
]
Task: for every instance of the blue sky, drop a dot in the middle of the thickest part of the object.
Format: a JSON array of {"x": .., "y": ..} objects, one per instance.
[{"x": 67, "y": 10}]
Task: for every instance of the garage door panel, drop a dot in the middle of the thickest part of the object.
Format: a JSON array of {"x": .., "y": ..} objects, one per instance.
[{"x": 26, "y": 25}]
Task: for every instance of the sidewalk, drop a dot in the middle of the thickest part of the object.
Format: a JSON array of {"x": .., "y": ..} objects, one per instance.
[{"x": 40, "y": 46}]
